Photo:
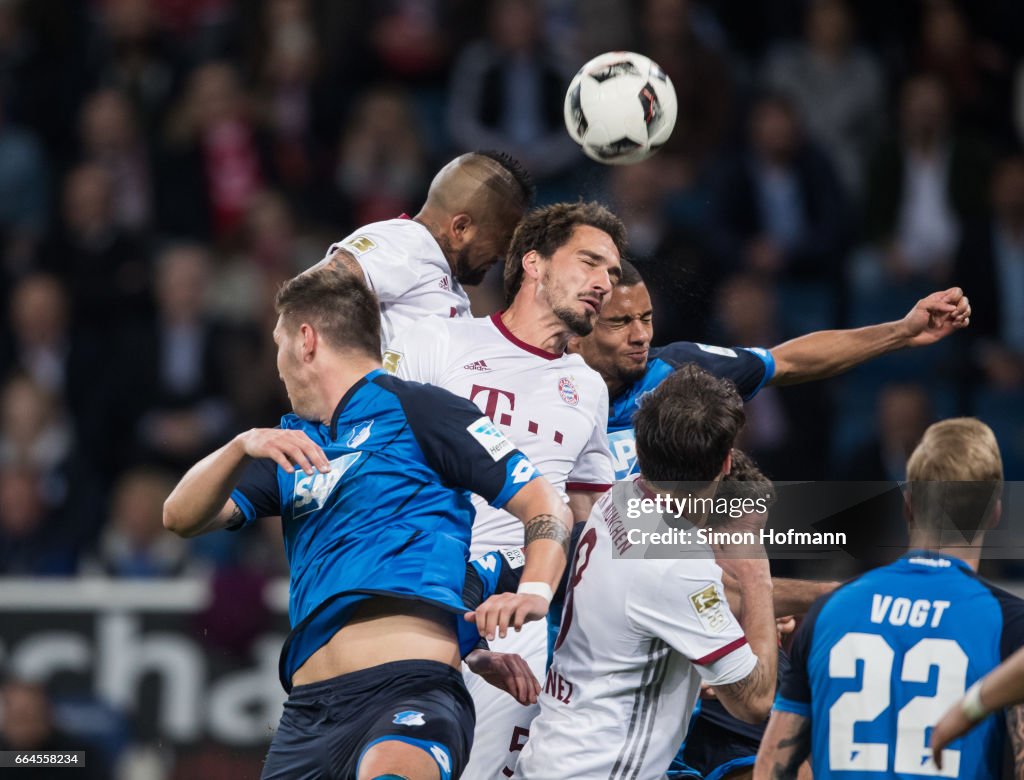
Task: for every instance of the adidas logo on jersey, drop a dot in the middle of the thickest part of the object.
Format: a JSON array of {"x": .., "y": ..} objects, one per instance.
[
  {"x": 444, "y": 284},
  {"x": 477, "y": 365}
]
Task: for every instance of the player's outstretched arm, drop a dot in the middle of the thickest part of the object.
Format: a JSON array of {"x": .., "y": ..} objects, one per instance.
[
  {"x": 1002, "y": 687},
  {"x": 200, "y": 501},
  {"x": 750, "y": 699},
  {"x": 829, "y": 352},
  {"x": 789, "y": 596},
  {"x": 548, "y": 527},
  {"x": 784, "y": 747}
]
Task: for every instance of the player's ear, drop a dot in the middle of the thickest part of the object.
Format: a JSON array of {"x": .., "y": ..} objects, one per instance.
[
  {"x": 462, "y": 229},
  {"x": 531, "y": 264},
  {"x": 994, "y": 517},
  {"x": 309, "y": 341},
  {"x": 727, "y": 465}
]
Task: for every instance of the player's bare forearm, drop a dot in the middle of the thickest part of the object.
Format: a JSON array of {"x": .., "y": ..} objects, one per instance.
[
  {"x": 581, "y": 503},
  {"x": 547, "y": 530},
  {"x": 750, "y": 699},
  {"x": 789, "y": 596},
  {"x": 784, "y": 747},
  {"x": 794, "y": 597},
  {"x": 830, "y": 352},
  {"x": 200, "y": 501},
  {"x": 827, "y": 353}
]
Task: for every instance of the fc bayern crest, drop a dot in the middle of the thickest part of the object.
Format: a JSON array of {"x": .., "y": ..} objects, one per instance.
[{"x": 568, "y": 391}]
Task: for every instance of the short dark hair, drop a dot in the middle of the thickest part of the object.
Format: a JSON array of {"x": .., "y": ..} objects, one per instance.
[
  {"x": 746, "y": 480},
  {"x": 527, "y": 190},
  {"x": 630, "y": 275},
  {"x": 337, "y": 303},
  {"x": 547, "y": 228},
  {"x": 686, "y": 427}
]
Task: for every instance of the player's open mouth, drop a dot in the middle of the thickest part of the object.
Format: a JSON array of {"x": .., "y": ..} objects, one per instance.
[{"x": 593, "y": 303}]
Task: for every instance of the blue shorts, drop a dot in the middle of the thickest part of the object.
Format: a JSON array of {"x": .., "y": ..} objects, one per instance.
[
  {"x": 327, "y": 726},
  {"x": 711, "y": 752}
]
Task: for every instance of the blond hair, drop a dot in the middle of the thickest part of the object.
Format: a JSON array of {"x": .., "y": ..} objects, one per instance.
[{"x": 956, "y": 475}]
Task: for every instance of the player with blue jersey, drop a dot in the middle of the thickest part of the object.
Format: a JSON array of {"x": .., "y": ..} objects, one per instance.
[
  {"x": 619, "y": 348},
  {"x": 371, "y": 477},
  {"x": 876, "y": 663}
]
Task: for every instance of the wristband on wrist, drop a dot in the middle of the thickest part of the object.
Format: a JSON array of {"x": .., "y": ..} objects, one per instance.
[
  {"x": 541, "y": 589},
  {"x": 972, "y": 706}
]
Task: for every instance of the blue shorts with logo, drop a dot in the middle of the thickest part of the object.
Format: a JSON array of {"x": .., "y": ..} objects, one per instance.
[{"x": 328, "y": 726}]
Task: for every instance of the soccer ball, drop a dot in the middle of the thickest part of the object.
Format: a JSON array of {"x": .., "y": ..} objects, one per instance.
[{"x": 620, "y": 107}]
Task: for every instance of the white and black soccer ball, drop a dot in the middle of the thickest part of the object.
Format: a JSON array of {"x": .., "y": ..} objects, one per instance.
[{"x": 620, "y": 107}]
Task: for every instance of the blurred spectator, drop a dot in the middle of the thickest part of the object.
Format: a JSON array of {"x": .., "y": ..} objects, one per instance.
[
  {"x": 214, "y": 161},
  {"x": 680, "y": 275},
  {"x": 507, "y": 92},
  {"x": 836, "y": 86},
  {"x": 289, "y": 62},
  {"x": 382, "y": 167},
  {"x": 134, "y": 543},
  {"x": 133, "y": 55},
  {"x": 105, "y": 266},
  {"x": 110, "y": 136},
  {"x": 28, "y": 724},
  {"x": 903, "y": 413},
  {"x": 33, "y": 538},
  {"x": 922, "y": 186},
  {"x": 975, "y": 72},
  {"x": 35, "y": 431},
  {"x": 24, "y": 195},
  {"x": 701, "y": 77},
  {"x": 778, "y": 207},
  {"x": 786, "y": 430},
  {"x": 990, "y": 266},
  {"x": 173, "y": 396}
]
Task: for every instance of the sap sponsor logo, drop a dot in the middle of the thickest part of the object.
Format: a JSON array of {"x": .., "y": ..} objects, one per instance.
[
  {"x": 567, "y": 390},
  {"x": 409, "y": 718},
  {"x": 723, "y": 351},
  {"x": 311, "y": 491},
  {"x": 391, "y": 360},
  {"x": 490, "y": 438},
  {"x": 360, "y": 245},
  {"x": 623, "y": 450},
  {"x": 359, "y": 434},
  {"x": 710, "y": 608}
]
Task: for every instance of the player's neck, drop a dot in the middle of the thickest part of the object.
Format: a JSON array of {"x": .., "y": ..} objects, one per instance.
[
  {"x": 537, "y": 326},
  {"x": 969, "y": 555},
  {"x": 338, "y": 379}
]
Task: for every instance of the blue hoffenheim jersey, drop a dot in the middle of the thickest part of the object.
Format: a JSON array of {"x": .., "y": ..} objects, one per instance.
[
  {"x": 877, "y": 662},
  {"x": 393, "y": 516},
  {"x": 748, "y": 369}
]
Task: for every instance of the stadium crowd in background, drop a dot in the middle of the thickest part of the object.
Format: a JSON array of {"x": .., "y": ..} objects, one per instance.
[{"x": 179, "y": 159}]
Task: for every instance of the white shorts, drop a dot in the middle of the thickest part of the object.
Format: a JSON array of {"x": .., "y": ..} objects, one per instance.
[{"x": 502, "y": 723}]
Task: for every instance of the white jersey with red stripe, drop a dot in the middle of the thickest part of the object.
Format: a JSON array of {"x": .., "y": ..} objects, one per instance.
[
  {"x": 554, "y": 408},
  {"x": 405, "y": 267},
  {"x": 638, "y": 638}
]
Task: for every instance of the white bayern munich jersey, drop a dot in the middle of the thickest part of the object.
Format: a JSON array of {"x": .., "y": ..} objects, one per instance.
[
  {"x": 554, "y": 408},
  {"x": 638, "y": 638},
  {"x": 405, "y": 267}
]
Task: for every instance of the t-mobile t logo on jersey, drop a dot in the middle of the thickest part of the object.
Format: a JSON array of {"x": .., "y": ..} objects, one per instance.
[{"x": 493, "y": 398}]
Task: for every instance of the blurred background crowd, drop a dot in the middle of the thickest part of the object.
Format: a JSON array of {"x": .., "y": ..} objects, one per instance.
[{"x": 164, "y": 164}]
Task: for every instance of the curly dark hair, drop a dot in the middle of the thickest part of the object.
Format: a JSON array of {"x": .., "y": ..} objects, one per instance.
[
  {"x": 686, "y": 426},
  {"x": 547, "y": 228}
]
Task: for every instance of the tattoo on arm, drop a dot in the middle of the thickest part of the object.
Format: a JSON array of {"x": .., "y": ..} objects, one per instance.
[
  {"x": 1015, "y": 726},
  {"x": 547, "y": 527},
  {"x": 237, "y": 518},
  {"x": 746, "y": 689},
  {"x": 798, "y": 747}
]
